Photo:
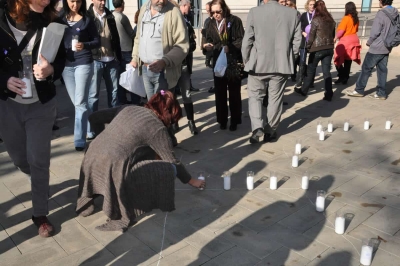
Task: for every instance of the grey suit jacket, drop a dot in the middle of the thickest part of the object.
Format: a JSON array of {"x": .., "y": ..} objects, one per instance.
[{"x": 272, "y": 38}]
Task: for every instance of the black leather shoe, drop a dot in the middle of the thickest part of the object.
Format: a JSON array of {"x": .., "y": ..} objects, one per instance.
[
  {"x": 192, "y": 127},
  {"x": 222, "y": 126},
  {"x": 233, "y": 127},
  {"x": 176, "y": 128},
  {"x": 211, "y": 90},
  {"x": 339, "y": 81},
  {"x": 255, "y": 137},
  {"x": 79, "y": 148},
  {"x": 269, "y": 137},
  {"x": 194, "y": 89},
  {"x": 299, "y": 91}
]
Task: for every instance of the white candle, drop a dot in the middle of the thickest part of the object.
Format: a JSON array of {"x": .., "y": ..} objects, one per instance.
[
  {"x": 319, "y": 128},
  {"x": 339, "y": 225},
  {"x": 28, "y": 89},
  {"x": 346, "y": 126},
  {"x": 366, "y": 255},
  {"x": 250, "y": 182},
  {"x": 322, "y": 135},
  {"x": 227, "y": 182},
  {"x": 295, "y": 161},
  {"x": 273, "y": 182},
  {"x": 330, "y": 127},
  {"x": 320, "y": 204},
  {"x": 298, "y": 148},
  {"x": 74, "y": 43},
  {"x": 304, "y": 182},
  {"x": 201, "y": 178},
  {"x": 366, "y": 125},
  {"x": 388, "y": 125}
]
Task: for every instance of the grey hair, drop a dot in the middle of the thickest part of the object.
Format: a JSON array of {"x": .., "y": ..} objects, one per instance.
[{"x": 184, "y": 2}]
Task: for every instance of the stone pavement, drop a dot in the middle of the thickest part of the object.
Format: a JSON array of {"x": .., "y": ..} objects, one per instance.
[{"x": 358, "y": 169}]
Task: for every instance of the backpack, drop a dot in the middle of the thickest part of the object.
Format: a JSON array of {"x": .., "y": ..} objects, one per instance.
[{"x": 393, "y": 36}]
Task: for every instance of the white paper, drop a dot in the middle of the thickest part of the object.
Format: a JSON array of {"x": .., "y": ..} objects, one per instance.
[
  {"x": 131, "y": 81},
  {"x": 50, "y": 42}
]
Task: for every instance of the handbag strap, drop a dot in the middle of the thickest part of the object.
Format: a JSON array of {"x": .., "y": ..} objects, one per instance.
[
  {"x": 388, "y": 15},
  {"x": 24, "y": 42}
]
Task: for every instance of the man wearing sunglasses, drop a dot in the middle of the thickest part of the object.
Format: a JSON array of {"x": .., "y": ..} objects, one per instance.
[{"x": 161, "y": 44}]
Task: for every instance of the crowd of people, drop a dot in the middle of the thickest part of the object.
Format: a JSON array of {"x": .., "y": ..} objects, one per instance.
[{"x": 136, "y": 149}]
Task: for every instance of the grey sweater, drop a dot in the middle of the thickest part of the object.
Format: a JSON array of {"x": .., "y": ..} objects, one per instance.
[
  {"x": 125, "y": 31},
  {"x": 379, "y": 31}
]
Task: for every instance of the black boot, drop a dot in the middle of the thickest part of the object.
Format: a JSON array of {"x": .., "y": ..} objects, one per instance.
[
  {"x": 172, "y": 135},
  {"x": 190, "y": 116}
]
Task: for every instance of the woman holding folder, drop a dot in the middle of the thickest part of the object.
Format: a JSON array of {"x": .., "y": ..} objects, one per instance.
[
  {"x": 27, "y": 102},
  {"x": 79, "y": 38}
]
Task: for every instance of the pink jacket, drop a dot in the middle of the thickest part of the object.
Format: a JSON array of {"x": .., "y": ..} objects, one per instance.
[{"x": 348, "y": 48}]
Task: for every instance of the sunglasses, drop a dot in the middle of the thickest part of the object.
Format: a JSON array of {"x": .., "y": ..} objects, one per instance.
[{"x": 218, "y": 12}]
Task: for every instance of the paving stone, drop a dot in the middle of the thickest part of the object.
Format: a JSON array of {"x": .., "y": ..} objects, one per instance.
[
  {"x": 234, "y": 256},
  {"x": 385, "y": 220},
  {"x": 359, "y": 185},
  {"x": 333, "y": 257},
  {"x": 390, "y": 185},
  {"x": 90, "y": 256},
  {"x": 384, "y": 258},
  {"x": 293, "y": 240},
  {"x": 185, "y": 256},
  {"x": 383, "y": 197},
  {"x": 7, "y": 247},
  {"x": 284, "y": 256},
  {"x": 249, "y": 240},
  {"x": 38, "y": 256}
]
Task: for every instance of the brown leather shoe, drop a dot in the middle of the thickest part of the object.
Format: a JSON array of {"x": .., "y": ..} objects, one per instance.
[{"x": 43, "y": 224}]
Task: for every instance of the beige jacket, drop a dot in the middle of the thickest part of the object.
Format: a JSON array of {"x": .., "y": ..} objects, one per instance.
[{"x": 175, "y": 42}]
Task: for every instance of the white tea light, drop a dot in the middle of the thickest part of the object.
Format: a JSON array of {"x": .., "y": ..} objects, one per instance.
[
  {"x": 366, "y": 124},
  {"x": 346, "y": 126},
  {"x": 319, "y": 127},
  {"x": 388, "y": 124},
  {"x": 304, "y": 182},
  {"x": 74, "y": 43},
  {"x": 227, "y": 180},
  {"x": 340, "y": 222},
  {"x": 320, "y": 202},
  {"x": 201, "y": 178},
  {"x": 295, "y": 161},
  {"x": 28, "y": 89},
  {"x": 366, "y": 255},
  {"x": 250, "y": 180},
  {"x": 297, "y": 149},
  {"x": 330, "y": 127},
  {"x": 273, "y": 182},
  {"x": 322, "y": 135}
]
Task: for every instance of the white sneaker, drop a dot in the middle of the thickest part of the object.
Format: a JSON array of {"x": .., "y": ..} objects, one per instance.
[
  {"x": 354, "y": 93},
  {"x": 377, "y": 97}
]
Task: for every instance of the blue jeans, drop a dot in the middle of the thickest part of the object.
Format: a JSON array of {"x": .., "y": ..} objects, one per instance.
[
  {"x": 110, "y": 72},
  {"x": 325, "y": 56},
  {"x": 370, "y": 61},
  {"x": 153, "y": 82},
  {"x": 77, "y": 81},
  {"x": 126, "y": 59}
]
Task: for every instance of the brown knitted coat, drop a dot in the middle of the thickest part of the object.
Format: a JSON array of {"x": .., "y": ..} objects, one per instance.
[{"x": 118, "y": 165}]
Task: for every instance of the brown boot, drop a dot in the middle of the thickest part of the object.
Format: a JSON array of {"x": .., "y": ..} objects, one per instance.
[{"x": 43, "y": 224}]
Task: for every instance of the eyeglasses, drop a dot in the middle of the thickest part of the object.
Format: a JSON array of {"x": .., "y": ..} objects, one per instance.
[{"x": 218, "y": 12}]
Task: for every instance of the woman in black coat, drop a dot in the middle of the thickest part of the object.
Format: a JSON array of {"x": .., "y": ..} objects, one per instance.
[{"x": 225, "y": 24}]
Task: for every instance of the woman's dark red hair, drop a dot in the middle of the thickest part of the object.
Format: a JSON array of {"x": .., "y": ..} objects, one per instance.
[
  {"x": 166, "y": 107},
  {"x": 19, "y": 10},
  {"x": 322, "y": 12}
]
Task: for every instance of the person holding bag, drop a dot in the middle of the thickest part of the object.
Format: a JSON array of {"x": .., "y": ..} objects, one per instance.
[
  {"x": 27, "y": 122},
  {"x": 225, "y": 33},
  {"x": 79, "y": 38}
]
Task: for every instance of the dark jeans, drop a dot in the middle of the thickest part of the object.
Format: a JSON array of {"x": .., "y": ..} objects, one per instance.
[
  {"x": 325, "y": 56},
  {"x": 126, "y": 59},
  {"x": 344, "y": 70},
  {"x": 370, "y": 61},
  {"x": 302, "y": 73},
  {"x": 222, "y": 85}
]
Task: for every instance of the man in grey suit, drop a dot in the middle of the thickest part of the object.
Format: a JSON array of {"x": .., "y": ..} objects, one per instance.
[{"x": 271, "y": 39}]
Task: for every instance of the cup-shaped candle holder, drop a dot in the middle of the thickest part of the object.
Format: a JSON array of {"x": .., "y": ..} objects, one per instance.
[
  {"x": 346, "y": 125},
  {"x": 227, "y": 180},
  {"x": 366, "y": 252},
  {"x": 366, "y": 124},
  {"x": 321, "y": 135},
  {"x": 295, "y": 160},
  {"x": 320, "y": 202},
  {"x": 305, "y": 181},
  {"x": 273, "y": 181},
  {"x": 297, "y": 148},
  {"x": 340, "y": 222},
  {"x": 250, "y": 180},
  {"x": 201, "y": 176},
  {"x": 25, "y": 76},
  {"x": 388, "y": 123},
  {"x": 330, "y": 126},
  {"x": 319, "y": 127}
]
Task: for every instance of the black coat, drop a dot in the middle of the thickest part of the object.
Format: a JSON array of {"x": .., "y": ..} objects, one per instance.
[
  {"x": 112, "y": 25},
  {"x": 304, "y": 23},
  {"x": 192, "y": 47},
  {"x": 11, "y": 61}
]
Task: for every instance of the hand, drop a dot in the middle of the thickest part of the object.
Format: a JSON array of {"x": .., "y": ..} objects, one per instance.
[
  {"x": 134, "y": 64},
  {"x": 334, "y": 40},
  {"x": 208, "y": 46},
  {"x": 79, "y": 46},
  {"x": 43, "y": 70},
  {"x": 197, "y": 183},
  {"x": 304, "y": 34},
  {"x": 226, "y": 49},
  {"x": 368, "y": 44},
  {"x": 157, "y": 66},
  {"x": 16, "y": 85}
]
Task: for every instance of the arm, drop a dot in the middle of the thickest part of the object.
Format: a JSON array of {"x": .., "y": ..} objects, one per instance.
[
  {"x": 127, "y": 26},
  {"x": 297, "y": 37},
  {"x": 59, "y": 62},
  {"x": 313, "y": 32},
  {"x": 248, "y": 38},
  {"x": 376, "y": 29},
  {"x": 162, "y": 145},
  {"x": 94, "y": 37},
  {"x": 180, "y": 38},
  {"x": 237, "y": 37}
]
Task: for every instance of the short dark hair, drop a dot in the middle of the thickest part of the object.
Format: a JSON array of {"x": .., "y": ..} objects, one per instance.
[
  {"x": 82, "y": 10},
  {"x": 387, "y": 2},
  {"x": 225, "y": 9},
  {"x": 118, "y": 3}
]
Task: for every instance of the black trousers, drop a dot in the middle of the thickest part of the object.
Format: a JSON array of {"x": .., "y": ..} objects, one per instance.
[
  {"x": 344, "y": 70},
  {"x": 222, "y": 86}
]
